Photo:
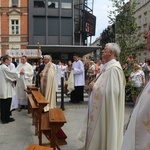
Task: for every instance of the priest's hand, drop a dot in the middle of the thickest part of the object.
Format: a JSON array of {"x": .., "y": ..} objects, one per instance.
[
  {"x": 91, "y": 86},
  {"x": 22, "y": 71}
]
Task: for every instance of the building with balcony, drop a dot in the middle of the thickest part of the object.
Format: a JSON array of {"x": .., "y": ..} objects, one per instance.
[{"x": 13, "y": 25}]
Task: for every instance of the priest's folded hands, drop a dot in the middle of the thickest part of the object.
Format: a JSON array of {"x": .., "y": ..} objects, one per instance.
[
  {"x": 41, "y": 74},
  {"x": 22, "y": 71}
]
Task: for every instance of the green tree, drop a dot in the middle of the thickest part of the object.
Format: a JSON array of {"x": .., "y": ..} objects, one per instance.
[
  {"x": 126, "y": 35},
  {"x": 125, "y": 27}
]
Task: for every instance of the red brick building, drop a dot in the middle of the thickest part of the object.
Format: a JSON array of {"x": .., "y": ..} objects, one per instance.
[{"x": 13, "y": 25}]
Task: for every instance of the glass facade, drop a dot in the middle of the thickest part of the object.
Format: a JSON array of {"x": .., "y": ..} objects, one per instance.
[
  {"x": 66, "y": 5},
  {"x": 39, "y": 3},
  {"x": 52, "y": 4}
]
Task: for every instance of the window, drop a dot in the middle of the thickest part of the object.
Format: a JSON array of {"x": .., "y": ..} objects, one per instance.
[
  {"x": 139, "y": 21},
  {"x": 145, "y": 17},
  {"x": 39, "y": 26},
  {"x": 66, "y": 27},
  {"x": 14, "y": 26},
  {"x": 52, "y": 4},
  {"x": 14, "y": 3},
  {"x": 145, "y": 20},
  {"x": 39, "y": 3},
  {"x": 53, "y": 26},
  {"x": 66, "y": 5}
]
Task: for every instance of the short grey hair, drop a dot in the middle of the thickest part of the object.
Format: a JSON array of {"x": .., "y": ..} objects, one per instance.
[
  {"x": 114, "y": 47},
  {"x": 48, "y": 57}
]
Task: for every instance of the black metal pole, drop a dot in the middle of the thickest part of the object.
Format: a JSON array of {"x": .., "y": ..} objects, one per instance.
[{"x": 62, "y": 94}]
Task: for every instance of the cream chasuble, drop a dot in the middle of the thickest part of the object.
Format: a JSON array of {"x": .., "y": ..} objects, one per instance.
[
  {"x": 48, "y": 85},
  {"x": 106, "y": 110},
  {"x": 137, "y": 135}
]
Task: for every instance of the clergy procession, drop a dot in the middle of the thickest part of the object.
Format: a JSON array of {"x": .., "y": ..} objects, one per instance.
[{"x": 32, "y": 90}]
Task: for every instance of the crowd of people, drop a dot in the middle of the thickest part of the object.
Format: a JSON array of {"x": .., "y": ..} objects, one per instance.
[
  {"x": 108, "y": 83},
  {"x": 45, "y": 75},
  {"x": 137, "y": 76}
]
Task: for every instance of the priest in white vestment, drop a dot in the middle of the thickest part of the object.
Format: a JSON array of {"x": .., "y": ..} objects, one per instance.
[
  {"x": 26, "y": 75},
  {"x": 49, "y": 88},
  {"x": 14, "y": 103},
  {"x": 48, "y": 82},
  {"x": 105, "y": 119},
  {"x": 137, "y": 135},
  {"x": 59, "y": 72},
  {"x": 77, "y": 95},
  {"x": 7, "y": 77}
]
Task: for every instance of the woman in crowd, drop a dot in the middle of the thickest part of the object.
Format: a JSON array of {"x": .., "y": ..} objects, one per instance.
[
  {"x": 91, "y": 71},
  {"x": 137, "y": 79}
]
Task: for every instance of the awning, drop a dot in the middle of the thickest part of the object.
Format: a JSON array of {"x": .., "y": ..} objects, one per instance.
[{"x": 65, "y": 49}]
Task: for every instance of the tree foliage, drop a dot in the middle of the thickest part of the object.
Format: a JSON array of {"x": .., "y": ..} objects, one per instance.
[{"x": 125, "y": 27}]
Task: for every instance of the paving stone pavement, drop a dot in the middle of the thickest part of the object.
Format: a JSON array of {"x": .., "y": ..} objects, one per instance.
[{"x": 19, "y": 134}]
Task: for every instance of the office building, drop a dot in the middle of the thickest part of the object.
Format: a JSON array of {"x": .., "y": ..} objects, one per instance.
[{"x": 60, "y": 27}]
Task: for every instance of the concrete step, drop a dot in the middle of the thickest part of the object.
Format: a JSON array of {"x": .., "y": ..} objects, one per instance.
[{"x": 59, "y": 95}]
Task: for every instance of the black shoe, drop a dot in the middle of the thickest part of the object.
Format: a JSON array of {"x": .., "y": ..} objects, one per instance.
[
  {"x": 4, "y": 122},
  {"x": 76, "y": 102},
  {"x": 11, "y": 120},
  {"x": 71, "y": 101}
]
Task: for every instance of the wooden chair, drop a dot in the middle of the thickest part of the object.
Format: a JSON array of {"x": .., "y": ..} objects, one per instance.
[
  {"x": 33, "y": 108},
  {"x": 41, "y": 103},
  {"x": 57, "y": 120},
  {"x": 32, "y": 88},
  {"x": 47, "y": 123},
  {"x": 28, "y": 91}
]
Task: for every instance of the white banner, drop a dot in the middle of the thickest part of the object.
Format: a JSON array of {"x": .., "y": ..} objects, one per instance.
[{"x": 30, "y": 53}]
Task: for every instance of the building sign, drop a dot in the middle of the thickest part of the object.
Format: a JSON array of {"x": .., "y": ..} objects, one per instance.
[
  {"x": 89, "y": 22},
  {"x": 30, "y": 53}
]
